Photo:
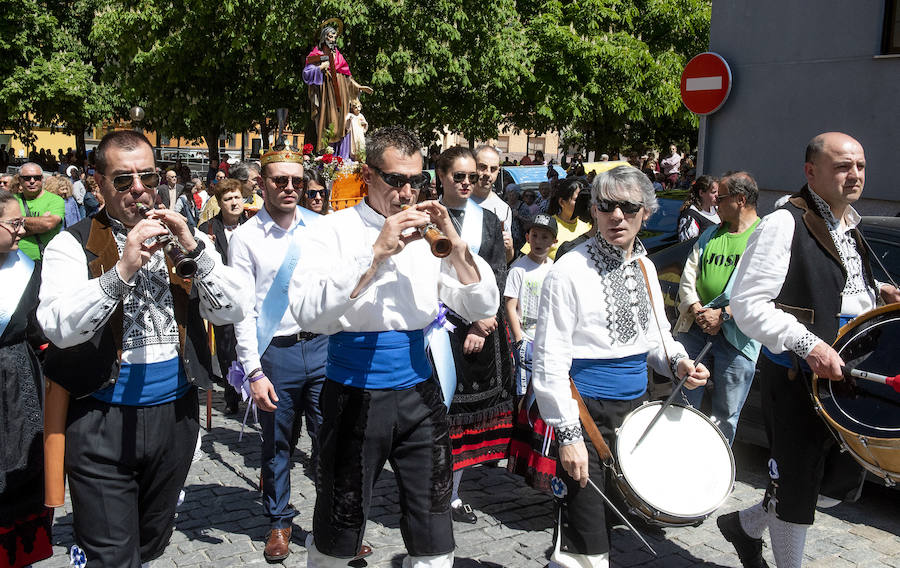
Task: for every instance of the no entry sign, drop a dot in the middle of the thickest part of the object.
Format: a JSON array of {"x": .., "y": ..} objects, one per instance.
[{"x": 705, "y": 83}]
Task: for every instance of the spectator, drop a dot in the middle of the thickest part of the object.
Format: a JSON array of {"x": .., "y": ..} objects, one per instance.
[
  {"x": 521, "y": 214},
  {"x": 93, "y": 199},
  {"x": 248, "y": 174},
  {"x": 670, "y": 166},
  {"x": 525, "y": 161},
  {"x": 62, "y": 186},
  {"x": 5, "y": 181},
  {"x": 562, "y": 208},
  {"x": 186, "y": 207},
  {"x": 699, "y": 210},
  {"x": 315, "y": 195},
  {"x": 170, "y": 190},
  {"x": 44, "y": 211}
]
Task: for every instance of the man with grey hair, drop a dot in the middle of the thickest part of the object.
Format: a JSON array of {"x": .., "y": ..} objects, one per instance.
[
  {"x": 43, "y": 211},
  {"x": 487, "y": 164},
  {"x": 705, "y": 289}
]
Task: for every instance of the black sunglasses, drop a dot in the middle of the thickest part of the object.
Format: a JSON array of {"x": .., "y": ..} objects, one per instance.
[
  {"x": 460, "y": 176},
  {"x": 123, "y": 182},
  {"x": 314, "y": 193},
  {"x": 281, "y": 182},
  {"x": 417, "y": 181},
  {"x": 31, "y": 178},
  {"x": 627, "y": 207}
]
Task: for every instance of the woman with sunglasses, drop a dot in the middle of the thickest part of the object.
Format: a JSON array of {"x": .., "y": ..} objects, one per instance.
[
  {"x": 481, "y": 409},
  {"x": 315, "y": 196},
  {"x": 24, "y": 520},
  {"x": 562, "y": 207},
  {"x": 596, "y": 324}
]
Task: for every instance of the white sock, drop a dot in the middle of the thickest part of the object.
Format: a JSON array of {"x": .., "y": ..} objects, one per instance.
[
  {"x": 437, "y": 561},
  {"x": 457, "y": 477},
  {"x": 788, "y": 540},
  {"x": 754, "y": 520}
]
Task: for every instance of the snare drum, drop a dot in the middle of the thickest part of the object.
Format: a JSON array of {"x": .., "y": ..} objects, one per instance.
[
  {"x": 680, "y": 473},
  {"x": 866, "y": 415}
]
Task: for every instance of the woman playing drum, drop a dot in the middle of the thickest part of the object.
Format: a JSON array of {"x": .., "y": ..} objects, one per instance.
[{"x": 596, "y": 324}]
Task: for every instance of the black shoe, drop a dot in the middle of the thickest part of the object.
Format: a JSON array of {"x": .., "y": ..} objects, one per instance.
[
  {"x": 231, "y": 410},
  {"x": 463, "y": 514},
  {"x": 749, "y": 549}
]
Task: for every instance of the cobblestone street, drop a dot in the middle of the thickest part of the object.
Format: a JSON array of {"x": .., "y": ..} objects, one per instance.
[{"x": 221, "y": 522}]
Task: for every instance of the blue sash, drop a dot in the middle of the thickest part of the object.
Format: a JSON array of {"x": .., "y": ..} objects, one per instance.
[
  {"x": 16, "y": 270},
  {"x": 386, "y": 360},
  {"x": 784, "y": 358},
  {"x": 616, "y": 379},
  {"x": 276, "y": 301},
  {"x": 473, "y": 223}
]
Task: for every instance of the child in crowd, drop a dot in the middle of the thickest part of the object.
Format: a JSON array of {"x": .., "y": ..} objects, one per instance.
[{"x": 523, "y": 290}]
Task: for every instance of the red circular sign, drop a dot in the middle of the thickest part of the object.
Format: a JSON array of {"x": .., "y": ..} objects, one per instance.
[{"x": 705, "y": 83}]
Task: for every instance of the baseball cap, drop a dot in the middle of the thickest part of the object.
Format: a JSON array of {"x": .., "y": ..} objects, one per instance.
[{"x": 546, "y": 222}]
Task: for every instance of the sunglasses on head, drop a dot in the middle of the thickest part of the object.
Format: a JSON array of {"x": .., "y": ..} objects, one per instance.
[
  {"x": 124, "y": 182},
  {"x": 627, "y": 207},
  {"x": 314, "y": 193},
  {"x": 281, "y": 182},
  {"x": 417, "y": 181},
  {"x": 31, "y": 178}
]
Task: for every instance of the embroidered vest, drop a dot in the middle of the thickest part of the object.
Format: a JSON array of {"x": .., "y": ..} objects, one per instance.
[
  {"x": 94, "y": 364},
  {"x": 816, "y": 276}
]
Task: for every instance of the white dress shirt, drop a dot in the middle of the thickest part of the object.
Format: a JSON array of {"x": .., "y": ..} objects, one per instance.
[
  {"x": 498, "y": 207},
  {"x": 256, "y": 250},
  {"x": 594, "y": 305},
  {"x": 404, "y": 293},
  {"x": 763, "y": 267},
  {"x": 74, "y": 307}
]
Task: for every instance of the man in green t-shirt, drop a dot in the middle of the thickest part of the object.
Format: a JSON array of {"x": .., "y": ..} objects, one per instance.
[
  {"x": 43, "y": 211},
  {"x": 705, "y": 313}
]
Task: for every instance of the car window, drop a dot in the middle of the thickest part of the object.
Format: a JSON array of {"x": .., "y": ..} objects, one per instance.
[{"x": 887, "y": 249}]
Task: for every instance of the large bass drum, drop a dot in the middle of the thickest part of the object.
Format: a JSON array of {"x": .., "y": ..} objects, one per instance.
[
  {"x": 866, "y": 415},
  {"x": 680, "y": 473}
]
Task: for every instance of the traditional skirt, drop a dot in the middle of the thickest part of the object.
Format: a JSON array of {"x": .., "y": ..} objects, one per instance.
[
  {"x": 24, "y": 521},
  {"x": 481, "y": 413},
  {"x": 532, "y": 447}
]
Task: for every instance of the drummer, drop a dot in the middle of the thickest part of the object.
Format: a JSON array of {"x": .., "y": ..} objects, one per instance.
[
  {"x": 805, "y": 273},
  {"x": 596, "y": 323}
]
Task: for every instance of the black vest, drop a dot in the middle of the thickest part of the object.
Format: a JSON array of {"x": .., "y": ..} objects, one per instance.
[
  {"x": 816, "y": 276},
  {"x": 94, "y": 364}
]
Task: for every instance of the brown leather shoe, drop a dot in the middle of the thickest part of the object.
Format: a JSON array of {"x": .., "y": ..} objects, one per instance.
[
  {"x": 277, "y": 545},
  {"x": 364, "y": 551}
]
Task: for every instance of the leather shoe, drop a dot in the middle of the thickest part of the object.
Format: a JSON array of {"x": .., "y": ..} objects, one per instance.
[
  {"x": 277, "y": 545},
  {"x": 463, "y": 514},
  {"x": 749, "y": 549},
  {"x": 364, "y": 551}
]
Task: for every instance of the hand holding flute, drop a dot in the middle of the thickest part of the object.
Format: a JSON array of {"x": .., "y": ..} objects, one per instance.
[{"x": 161, "y": 228}]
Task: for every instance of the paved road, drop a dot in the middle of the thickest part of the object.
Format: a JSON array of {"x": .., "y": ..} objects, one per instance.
[{"x": 221, "y": 522}]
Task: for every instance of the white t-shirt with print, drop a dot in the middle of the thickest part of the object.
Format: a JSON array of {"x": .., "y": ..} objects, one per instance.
[{"x": 524, "y": 282}]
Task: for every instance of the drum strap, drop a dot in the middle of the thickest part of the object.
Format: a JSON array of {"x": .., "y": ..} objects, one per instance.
[
  {"x": 655, "y": 315},
  {"x": 592, "y": 431}
]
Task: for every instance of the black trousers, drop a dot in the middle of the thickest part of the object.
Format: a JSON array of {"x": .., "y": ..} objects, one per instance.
[
  {"x": 805, "y": 457},
  {"x": 126, "y": 466},
  {"x": 361, "y": 430},
  {"x": 585, "y": 521}
]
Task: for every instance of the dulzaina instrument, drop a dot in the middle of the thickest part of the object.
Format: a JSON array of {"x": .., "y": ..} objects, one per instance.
[
  {"x": 865, "y": 414},
  {"x": 185, "y": 267},
  {"x": 437, "y": 240}
]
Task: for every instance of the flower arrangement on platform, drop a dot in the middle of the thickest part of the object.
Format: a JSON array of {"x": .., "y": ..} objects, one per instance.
[{"x": 329, "y": 165}]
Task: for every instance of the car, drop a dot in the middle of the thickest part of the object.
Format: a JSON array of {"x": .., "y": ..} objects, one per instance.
[{"x": 882, "y": 234}]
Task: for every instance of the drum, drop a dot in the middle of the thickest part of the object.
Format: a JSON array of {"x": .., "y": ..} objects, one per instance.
[
  {"x": 866, "y": 415},
  {"x": 680, "y": 473}
]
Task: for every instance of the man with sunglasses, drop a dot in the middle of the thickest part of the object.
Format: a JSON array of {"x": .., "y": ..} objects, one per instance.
[
  {"x": 43, "y": 211},
  {"x": 284, "y": 364},
  {"x": 373, "y": 285},
  {"x": 129, "y": 343}
]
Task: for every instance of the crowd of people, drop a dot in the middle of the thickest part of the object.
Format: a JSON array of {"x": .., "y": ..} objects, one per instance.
[{"x": 529, "y": 330}]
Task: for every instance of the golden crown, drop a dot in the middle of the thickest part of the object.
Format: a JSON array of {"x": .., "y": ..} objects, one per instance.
[{"x": 286, "y": 154}]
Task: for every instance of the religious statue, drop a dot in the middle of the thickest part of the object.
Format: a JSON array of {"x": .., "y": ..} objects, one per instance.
[
  {"x": 331, "y": 88},
  {"x": 356, "y": 127}
]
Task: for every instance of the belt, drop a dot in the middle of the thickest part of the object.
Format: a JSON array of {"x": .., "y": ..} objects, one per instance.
[{"x": 294, "y": 338}]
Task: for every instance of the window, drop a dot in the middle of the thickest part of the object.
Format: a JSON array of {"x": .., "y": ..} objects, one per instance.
[
  {"x": 503, "y": 144},
  {"x": 164, "y": 140},
  {"x": 535, "y": 144},
  {"x": 891, "y": 41}
]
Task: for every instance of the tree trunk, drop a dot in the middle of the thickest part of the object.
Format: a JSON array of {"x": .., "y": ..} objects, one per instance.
[
  {"x": 212, "y": 144},
  {"x": 264, "y": 131},
  {"x": 80, "y": 149}
]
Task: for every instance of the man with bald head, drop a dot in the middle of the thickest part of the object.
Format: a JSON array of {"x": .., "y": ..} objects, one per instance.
[
  {"x": 805, "y": 273},
  {"x": 43, "y": 211}
]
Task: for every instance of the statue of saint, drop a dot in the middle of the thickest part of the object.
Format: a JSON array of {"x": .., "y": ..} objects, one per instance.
[{"x": 331, "y": 86}]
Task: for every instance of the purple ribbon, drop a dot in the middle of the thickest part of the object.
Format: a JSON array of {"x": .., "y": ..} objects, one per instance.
[
  {"x": 440, "y": 321},
  {"x": 238, "y": 380}
]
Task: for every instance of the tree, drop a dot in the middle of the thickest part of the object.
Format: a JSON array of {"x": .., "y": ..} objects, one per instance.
[
  {"x": 49, "y": 77},
  {"x": 610, "y": 69}
]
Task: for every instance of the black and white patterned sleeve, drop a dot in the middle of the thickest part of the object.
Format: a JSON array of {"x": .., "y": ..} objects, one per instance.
[{"x": 225, "y": 294}]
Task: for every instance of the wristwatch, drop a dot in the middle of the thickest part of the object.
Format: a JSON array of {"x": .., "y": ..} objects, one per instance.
[{"x": 725, "y": 315}]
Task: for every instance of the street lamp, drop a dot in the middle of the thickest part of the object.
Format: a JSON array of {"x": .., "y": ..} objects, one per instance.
[{"x": 137, "y": 115}]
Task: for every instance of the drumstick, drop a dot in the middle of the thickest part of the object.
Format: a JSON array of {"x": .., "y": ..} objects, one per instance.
[
  {"x": 893, "y": 382},
  {"x": 621, "y": 516},
  {"x": 672, "y": 396}
]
